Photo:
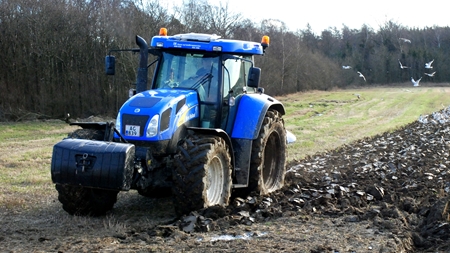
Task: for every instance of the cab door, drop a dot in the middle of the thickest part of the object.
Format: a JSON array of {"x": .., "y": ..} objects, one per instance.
[{"x": 235, "y": 76}]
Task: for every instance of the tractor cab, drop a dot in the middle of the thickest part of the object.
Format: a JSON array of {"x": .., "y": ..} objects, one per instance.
[
  {"x": 219, "y": 80},
  {"x": 213, "y": 67}
]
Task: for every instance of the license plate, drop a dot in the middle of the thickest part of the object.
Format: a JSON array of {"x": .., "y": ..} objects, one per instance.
[{"x": 132, "y": 130}]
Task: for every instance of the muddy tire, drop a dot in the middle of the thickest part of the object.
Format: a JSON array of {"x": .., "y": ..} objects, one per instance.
[
  {"x": 202, "y": 173},
  {"x": 82, "y": 201},
  {"x": 268, "y": 158},
  {"x": 79, "y": 200}
]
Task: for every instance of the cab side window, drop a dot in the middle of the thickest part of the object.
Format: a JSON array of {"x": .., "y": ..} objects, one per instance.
[{"x": 235, "y": 76}]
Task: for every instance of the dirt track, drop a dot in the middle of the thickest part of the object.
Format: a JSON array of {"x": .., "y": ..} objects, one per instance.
[{"x": 389, "y": 193}]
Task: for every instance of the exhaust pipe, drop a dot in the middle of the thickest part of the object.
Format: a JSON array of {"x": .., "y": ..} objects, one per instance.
[{"x": 142, "y": 74}]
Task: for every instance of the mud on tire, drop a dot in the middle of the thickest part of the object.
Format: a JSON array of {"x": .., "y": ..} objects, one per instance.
[
  {"x": 202, "y": 173},
  {"x": 78, "y": 200}
]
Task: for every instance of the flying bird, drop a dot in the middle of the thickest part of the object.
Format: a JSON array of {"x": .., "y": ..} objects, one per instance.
[
  {"x": 405, "y": 40},
  {"x": 361, "y": 75},
  {"x": 415, "y": 83},
  {"x": 430, "y": 74},
  {"x": 401, "y": 65},
  {"x": 346, "y": 67},
  {"x": 428, "y": 64}
]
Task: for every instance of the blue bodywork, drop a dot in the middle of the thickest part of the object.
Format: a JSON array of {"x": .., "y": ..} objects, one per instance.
[
  {"x": 250, "y": 114},
  {"x": 175, "y": 107}
]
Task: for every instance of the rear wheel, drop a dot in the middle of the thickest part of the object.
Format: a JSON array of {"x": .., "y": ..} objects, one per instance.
[
  {"x": 79, "y": 200},
  {"x": 202, "y": 173},
  {"x": 268, "y": 159}
]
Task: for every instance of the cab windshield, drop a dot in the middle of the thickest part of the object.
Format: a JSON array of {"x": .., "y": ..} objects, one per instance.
[{"x": 188, "y": 71}]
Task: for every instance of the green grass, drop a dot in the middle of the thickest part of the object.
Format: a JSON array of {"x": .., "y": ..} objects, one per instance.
[
  {"x": 325, "y": 120},
  {"x": 31, "y": 130},
  {"x": 25, "y": 156}
]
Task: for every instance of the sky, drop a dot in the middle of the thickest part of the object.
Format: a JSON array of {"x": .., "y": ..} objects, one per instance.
[{"x": 324, "y": 14}]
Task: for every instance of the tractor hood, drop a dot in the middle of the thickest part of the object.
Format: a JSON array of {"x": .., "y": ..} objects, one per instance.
[{"x": 155, "y": 115}]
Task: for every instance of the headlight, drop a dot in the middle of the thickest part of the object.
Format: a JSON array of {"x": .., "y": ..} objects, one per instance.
[
  {"x": 152, "y": 128},
  {"x": 118, "y": 120}
]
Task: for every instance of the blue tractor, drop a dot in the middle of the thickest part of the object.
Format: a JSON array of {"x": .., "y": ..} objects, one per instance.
[{"x": 203, "y": 131}]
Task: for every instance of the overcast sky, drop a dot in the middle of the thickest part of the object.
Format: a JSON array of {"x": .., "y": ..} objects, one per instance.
[{"x": 323, "y": 14}]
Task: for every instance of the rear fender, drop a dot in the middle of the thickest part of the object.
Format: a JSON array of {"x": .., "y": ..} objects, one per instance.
[{"x": 250, "y": 115}]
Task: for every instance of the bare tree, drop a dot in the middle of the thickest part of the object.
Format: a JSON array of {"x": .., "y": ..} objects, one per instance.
[
  {"x": 53, "y": 51},
  {"x": 223, "y": 21}
]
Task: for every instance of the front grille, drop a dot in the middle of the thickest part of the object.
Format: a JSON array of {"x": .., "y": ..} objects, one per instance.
[{"x": 138, "y": 120}]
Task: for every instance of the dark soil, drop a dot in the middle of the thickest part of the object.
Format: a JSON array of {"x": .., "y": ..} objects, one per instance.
[{"x": 389, "y": 193}]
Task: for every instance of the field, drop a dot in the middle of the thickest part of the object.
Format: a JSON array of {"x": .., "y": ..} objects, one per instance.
[
  {"x": 330, "y": 127},
  {"x": 324, "y": 120}
]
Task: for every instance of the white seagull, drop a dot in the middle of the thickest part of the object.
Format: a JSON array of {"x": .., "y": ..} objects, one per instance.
[
  {"x": 428, "y": 64},
  {"x": 401, "y": 65},
  {"x": 430, "y": 74},
  {"x": 405, "y": 40},
  {"x": 346, "y": 67},
  {"x": 361, "y": 75},
  {"x": 415, "y": 83}
]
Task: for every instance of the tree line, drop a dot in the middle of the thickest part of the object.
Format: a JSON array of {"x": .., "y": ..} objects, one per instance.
[{"x": 53, "y": 52}]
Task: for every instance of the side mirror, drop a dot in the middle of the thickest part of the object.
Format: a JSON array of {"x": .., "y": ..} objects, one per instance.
[
  {"x": 110, "y": 65},
  {"x": 253, "y": 77}
]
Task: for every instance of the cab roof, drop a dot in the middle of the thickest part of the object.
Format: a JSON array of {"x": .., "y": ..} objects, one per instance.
[{"x": 207, "y": 42}]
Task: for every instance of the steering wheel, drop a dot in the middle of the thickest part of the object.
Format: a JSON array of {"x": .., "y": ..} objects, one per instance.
[
  {"x": 189, "y": 83},
  {"x": 169, "y": 84}
]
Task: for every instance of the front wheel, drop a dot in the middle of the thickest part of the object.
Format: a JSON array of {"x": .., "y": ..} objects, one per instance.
[
  {"x": 202, "y": 173},
  {"x": 78, "y": 200}
]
